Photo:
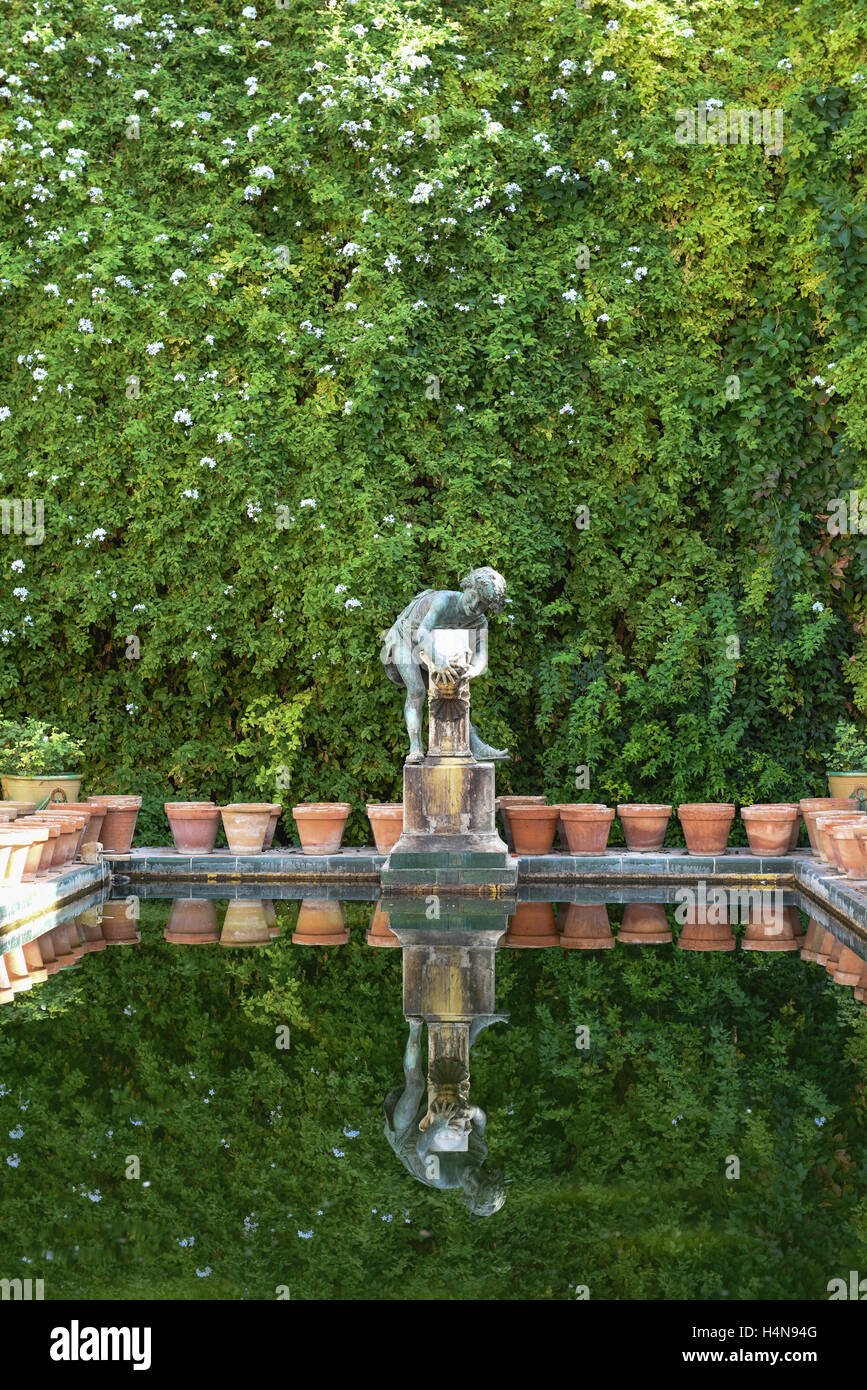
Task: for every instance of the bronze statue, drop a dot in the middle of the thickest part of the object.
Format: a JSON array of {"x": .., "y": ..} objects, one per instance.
[
  {"x": 409, "y": 659},
  {"x": 439, "y": 1136}
]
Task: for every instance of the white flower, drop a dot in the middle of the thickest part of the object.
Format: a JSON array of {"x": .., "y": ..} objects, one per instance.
[
  {"x": 818, "y": 607},
  {"x": 51, "y": 289},
  {"x": 640, "y": 272},
  {"x": 603, "y": 164},
  {"x": 711, "y": 103},
  {"x": 603, "y": 318},
  {"x": 198, "y": 168},
  {"x": 17, "y": 565},
  {"x": 818, "y": 381},
  {"x": 249, "y": 12},
  {"x": 352, "y": 603},
  {"x": 307, "y": 502},
  {"x": 347, "y": 409},
  {"x": 177, "y": 276},
  {"x": 21, "y": 593},
  {"x": 392, "y": 263},
  {"x": 350, "y": 249},
  {"x": 567, "y": 409},
  {"x": 608, "y": 75},
  {"x": 154, "y": 348},
  {"x": 570, "y": 296},
  {"x": 85, "y": 326},
  {"x": 140, "y": 95},
  {"x": 182, "y": 417},
  {"x": 785, "y": 63},
  {"x": 211, "y": 463},
  {"x": 263, "y": 171},
  {"x": 252, "y": 191},
  {"x": 191, "y": 492}
]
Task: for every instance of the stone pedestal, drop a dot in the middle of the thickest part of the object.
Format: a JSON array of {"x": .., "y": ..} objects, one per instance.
[{"x": 449, "y": 838}]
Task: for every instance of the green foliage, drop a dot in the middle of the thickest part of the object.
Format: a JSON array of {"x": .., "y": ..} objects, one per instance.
[
  {"x": 615, "y": 1156},
  {"x": 334, "y": 257},
  {"x": 33, "y": 749},
  {"x": 850, "y": 748}
]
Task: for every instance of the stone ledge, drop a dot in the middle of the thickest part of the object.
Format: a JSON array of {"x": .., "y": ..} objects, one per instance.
[{"x": 28, "y": 900}]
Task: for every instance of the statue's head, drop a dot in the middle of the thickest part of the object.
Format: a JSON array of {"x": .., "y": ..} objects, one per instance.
[
  {"x": 483, "y": 1193},
  {"x": 488, "y": 587}
]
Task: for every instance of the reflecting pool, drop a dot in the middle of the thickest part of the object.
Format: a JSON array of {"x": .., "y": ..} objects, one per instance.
[{"x": 210, "y": 1094}]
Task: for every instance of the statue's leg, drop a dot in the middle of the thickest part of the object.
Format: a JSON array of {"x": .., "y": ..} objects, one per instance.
[
  {"x": 413, "y": 709},
  {"x": 483, "y": 752},
  {"x": 414, "y": 1078}
]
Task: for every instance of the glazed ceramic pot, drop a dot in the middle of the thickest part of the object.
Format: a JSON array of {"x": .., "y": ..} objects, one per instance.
[
  {"x": 502, "y": 805},
  {"x": 379, "y": 933},
  {"x": 850, "y": 784},
  {"x": 585, "y": 927},
  {"x": 192, "y": 922},
  {"x": 533, "y": 827},
  {"x": 245, "y": 923},
  {"x": 321, "y": 825},
  {"x": 386, "y": 819},
  {"x": 118, "y": 828},
  {"x": 848, "y": 842},
  {"x": 812, "y": 806},
  {"x": 706, "y": 825},
  {"x": 321, "y": 922},
  {"x": 770, "y": 826},
  {"x": 276, "y": 812},
  {"x": 62, "y": 787},
  {"x": 644, "y": 825},
  {"x": 587, "y": 826},
  {"x": 245, "y": 824},
  {"x": 644, "y": 924},
  {"x": 193, "y": 824},
  {"x": 531, "y": 925},
  {"x": 821, "y": 826},
  {"x": 773, "y": 929}
]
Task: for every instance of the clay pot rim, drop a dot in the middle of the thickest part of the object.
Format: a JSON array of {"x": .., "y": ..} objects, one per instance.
[
  {"x": 643, "y": 808},
  {"x": 192, "y": 812},
  {"x": 167, "y": 804},
  {"x": 247, "y": 807},
  {"x": 579, "y": 810},
  {"x": 535, "y": 812},
  {"x": 521, "y": 800},
  {"x": 103, "y": 799},
  {"x": 395, "y": 808},
  {"x": 706, "y": 808},
  {"x": 322, "y": 808},
  {"x": 831, "y": 802},
  {"x": 779, "y": 812}
]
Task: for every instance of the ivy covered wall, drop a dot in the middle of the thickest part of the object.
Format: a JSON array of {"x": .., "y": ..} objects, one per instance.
[{"x": 305, "y": 309}]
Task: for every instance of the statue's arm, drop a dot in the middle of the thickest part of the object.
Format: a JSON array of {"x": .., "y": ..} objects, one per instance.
[{"x": 431, "y": 620}]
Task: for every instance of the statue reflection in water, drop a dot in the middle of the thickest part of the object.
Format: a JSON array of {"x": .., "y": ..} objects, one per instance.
[{"x": 431, "y": 1123}]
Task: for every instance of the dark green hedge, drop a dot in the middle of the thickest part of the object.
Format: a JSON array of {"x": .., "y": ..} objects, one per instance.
[{"x": 446, "y": 271}]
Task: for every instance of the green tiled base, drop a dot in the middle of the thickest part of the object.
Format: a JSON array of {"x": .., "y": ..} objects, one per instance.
[
  {"x": 480, "y": 882},
  {"x": 453, "y": 859}
]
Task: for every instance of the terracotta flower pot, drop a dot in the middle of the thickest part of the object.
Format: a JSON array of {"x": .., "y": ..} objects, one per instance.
[
  {"x": 822, "y": 824},
  {"x": 276, "y": 812},
  {"x": 5, "y": 851},
  {"x": 245, "y": 923},
  {"x": 36, "y": 966},
  {"x": 17, "y": 969},
  {"x": 49, "y": 849},
  {"x": 585, "y": 927},
  {"x": 532, "y": 925},
  {"x": 848, "y": 967},
  {"x": 18, "y": 851},
  {"x": 379, "y": 933},
  {"x": 118, "y": 828},
  {"x": 118, "y": 927},
  {"x": 769, "y": 827},
  {"x": 65, "y": 845},
  {"x": 777, "y": 929},
  {"x": 812, "y": 941},
  {"x": 386, "y": 820},
  {"x": 32, "y": 838},
  {"x": 644, "y": 924},
  {"x": 502, "y": 804},
  {"x": 321, "y": 825},
  {"x": 848, "y": 842},
  {"x": 89, "y": 925},
  {"x": 644, "y": 825},
  {"x": 22, "y": 808},
  {"x": 699, "y": 934},
  {"x": 192, "y": 922},
  {"x": 321, "y": 922},
  {"x": 194, "y": 825},
  {"x": 706, "y": 825},
  {"x": 812, "y": 806},
  {"x": 245, "y": 824},
  {"x": 587, "y": 826}
]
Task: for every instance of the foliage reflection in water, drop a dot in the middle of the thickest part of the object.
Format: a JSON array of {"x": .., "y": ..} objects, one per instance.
[{"x": 682, "y": 1118}]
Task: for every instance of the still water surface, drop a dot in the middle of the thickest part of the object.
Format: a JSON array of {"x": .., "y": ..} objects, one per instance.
[{"x": 201, "y": 1098}]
